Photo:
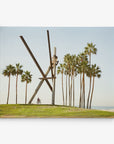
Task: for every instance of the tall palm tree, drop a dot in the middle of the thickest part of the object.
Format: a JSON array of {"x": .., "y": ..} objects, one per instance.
[
  {"x": 82, "y": 66},
  {"x": 96, "y": 72},
  {"x": 10, "y": 70},
  {"x": 79, "y": 71},
  {"x": 67, "y": 61},
  {"x": 71, "y": 88},
  {"x": 90, "y": 49},
  {"x": 61, "y": 70},
  {"x": 89, "y": 74},
  {"x": 66, "y": 74},
  {"x": 26, "y": 77},
  {"x": 18, "y": 71},
  {"x": 73, "y": 74}
]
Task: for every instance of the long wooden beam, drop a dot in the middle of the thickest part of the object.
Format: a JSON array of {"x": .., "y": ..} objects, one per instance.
[
  {"x": 38, "y": 87},
  {"x": 54, "y": 71},
  {"x": 34, "y": 59},
  {"x": 48, "y": 78},
  {"x": 50, "y": 53}
]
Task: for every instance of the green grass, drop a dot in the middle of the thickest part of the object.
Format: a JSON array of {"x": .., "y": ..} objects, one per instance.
[{"x": 48, "y": 111}]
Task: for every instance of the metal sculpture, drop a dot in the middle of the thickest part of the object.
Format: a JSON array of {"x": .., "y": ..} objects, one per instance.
[{"x": 52, "y": 67}]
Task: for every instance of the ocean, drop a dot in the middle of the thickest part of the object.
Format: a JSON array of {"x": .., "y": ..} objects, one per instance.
[{"x": 103, "y": 107}]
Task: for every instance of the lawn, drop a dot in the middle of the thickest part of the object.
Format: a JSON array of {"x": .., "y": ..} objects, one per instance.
[{"x": 49, "y": 111}]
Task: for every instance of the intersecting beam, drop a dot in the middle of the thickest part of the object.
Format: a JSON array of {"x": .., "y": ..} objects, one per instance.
[
  {"x": 54, "y": 71},
  {"x": 48, "y": 78},
  {"x": 34, "y": 59},
  {"x": 38, "y": 87},
  {"x": 50, "y": 53}
]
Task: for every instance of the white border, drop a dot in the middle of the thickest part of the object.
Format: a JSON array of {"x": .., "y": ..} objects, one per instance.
[{"x": 56, "y": 13}]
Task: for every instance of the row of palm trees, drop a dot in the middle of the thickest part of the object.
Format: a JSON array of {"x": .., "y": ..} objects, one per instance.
[
  {"x": 16, "y": 71},
  {"x": 79, "y": 64}
]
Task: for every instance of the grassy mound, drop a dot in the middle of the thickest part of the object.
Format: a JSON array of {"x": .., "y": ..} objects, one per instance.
[{"x": 49, "y": 111}]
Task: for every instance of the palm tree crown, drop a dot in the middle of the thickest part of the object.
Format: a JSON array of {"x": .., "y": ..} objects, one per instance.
[
  {"x": 90, "y": 48},
  {"x": 60, "y": 69},
  {"x": 19, "y": 70},
  {"x": 10, "y": 70},
  {"x": 26, "y": 77}
]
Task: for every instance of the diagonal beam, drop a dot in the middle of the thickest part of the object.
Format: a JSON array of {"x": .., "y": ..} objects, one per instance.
[
  {"x": 54, "y": 68},
  {"x": 50, "y": 53},
  {"x": 38, "y": 87},
  {"x": 34, "y": 59},
  {"x": 48, "y": 78}
]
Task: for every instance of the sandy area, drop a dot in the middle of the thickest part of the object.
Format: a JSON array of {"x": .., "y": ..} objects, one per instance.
[{"x": 111, "y": 110}]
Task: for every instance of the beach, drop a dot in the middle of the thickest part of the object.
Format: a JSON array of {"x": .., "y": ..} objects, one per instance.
[{"x": 111, "y": 110}]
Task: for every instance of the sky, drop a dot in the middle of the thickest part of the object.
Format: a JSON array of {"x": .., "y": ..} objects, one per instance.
[{"x": 66, "y": 40}]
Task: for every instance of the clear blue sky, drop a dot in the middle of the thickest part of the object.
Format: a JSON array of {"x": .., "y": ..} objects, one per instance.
[{"x": 67, "y": 40}]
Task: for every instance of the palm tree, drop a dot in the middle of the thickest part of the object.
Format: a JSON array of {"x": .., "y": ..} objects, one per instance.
[
  {"x": 96, "y": 72},
  {"x": 66, "y": 73},
  {"x": 82, "y": 66},
  {"x": 10, "y": 70},
  {"x": 79, "y": 71},
  {"x": 71, "y": 88},
  {"x": 73, "y": 74},
  {"x": 26, "y": 77},
  {"x": 90, "y": 49},
  {"x": 67, "y": 61},
  {"x": 18, "y": 71},
  {"x": 61, "y": 70},
  {"x": 89, "y": 74}
]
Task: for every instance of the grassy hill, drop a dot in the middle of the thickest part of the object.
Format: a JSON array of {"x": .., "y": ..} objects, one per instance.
[{"x": 49, "y": 111}]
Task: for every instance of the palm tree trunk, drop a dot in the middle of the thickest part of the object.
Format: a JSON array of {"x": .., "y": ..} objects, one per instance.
[
  {"x": 84, "y": 90},
  {"x": 73, "y": 93},
  {"x": 89, "y": 94},
  {"x": 80, "y": 90},
  {"x": 66, "y": 89},
  {"x": 69, "y": 89},
  {"x": 26, "y": 93},
  {"x": 92, "y": 93},
  {"x": 16, "y": 87},
  {"x": 90, "y": 84},
  {"x": 8, "y": 90},
  {"x": 62, "y": 89},
  {"x": 83, "y": 94},
  {"x": 90, "y": 59}
]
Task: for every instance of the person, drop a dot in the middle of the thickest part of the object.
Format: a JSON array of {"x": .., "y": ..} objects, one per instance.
[
  {"x": 38, "y": 101},
  {"x": 54, "y": 60}
]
